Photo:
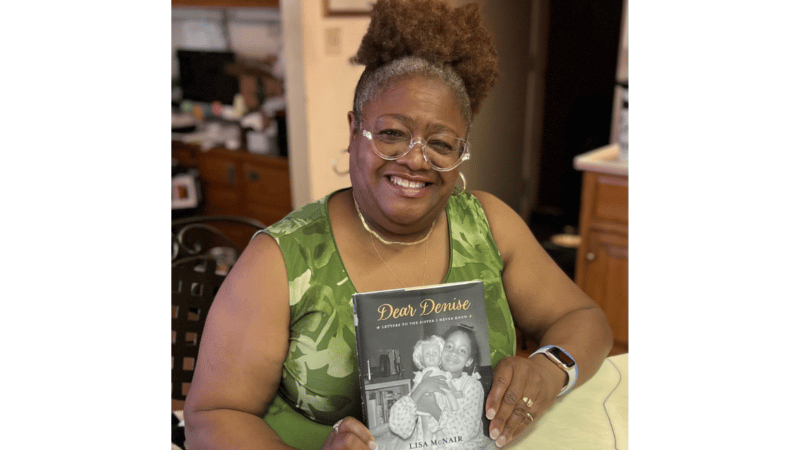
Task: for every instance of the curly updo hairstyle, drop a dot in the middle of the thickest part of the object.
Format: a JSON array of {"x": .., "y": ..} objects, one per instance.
[{"x": 428, "y": 37}]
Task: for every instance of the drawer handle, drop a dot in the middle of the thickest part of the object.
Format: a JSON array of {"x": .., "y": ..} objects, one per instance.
[
  {"x": 591, "y": 256},
  {"x": 253, "y": 176}
]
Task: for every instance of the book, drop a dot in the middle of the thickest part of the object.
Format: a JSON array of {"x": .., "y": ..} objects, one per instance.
[{"x": 439, "y": 323}]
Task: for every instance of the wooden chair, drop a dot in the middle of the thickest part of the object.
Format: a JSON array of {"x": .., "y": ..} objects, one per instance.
[{"x": 203, "y": 251}]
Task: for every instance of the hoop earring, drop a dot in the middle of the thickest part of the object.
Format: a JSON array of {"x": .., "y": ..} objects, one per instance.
[
  {"x": 335, "y": 165},
  {"x": 463, "y": 180}
]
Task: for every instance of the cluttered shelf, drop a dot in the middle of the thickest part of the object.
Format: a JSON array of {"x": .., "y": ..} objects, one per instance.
[
  {"x": 229, "y": 141},
  {"x": 219, "y": 181}
]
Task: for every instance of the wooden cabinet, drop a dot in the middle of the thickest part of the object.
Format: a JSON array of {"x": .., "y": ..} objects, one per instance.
[
  {"x": 602, "y": 262},
  {"x": 239, "y": 183}
]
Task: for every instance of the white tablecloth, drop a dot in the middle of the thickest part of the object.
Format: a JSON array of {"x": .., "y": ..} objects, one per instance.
[{"x": 593, "y": 416}]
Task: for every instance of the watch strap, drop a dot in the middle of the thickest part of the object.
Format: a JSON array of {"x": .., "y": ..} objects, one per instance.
[{"x": 572, "y": 372}]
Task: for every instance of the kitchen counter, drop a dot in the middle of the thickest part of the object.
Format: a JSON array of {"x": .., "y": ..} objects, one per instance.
[{"x": 603, "y": 160}]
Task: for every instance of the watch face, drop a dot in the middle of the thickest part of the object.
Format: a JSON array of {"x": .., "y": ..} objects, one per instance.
[{"x": 563, "y": 357}]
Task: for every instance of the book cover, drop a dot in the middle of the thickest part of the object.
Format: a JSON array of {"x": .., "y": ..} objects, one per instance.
[{"x": 405, "y": 336}]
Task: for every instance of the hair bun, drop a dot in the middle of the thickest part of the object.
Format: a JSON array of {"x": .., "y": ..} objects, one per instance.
[{"x": 434, "y": 31}]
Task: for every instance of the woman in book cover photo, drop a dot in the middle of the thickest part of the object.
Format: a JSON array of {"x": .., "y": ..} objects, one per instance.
[{"x": 277, "y": 366}]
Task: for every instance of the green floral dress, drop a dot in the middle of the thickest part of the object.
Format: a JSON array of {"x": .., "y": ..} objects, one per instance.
[{"x": 320, "y": 375}]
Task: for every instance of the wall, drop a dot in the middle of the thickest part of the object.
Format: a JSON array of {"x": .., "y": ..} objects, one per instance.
[
  {"x": 320, "y": 83},
  {"x": 499, "y": 129}
]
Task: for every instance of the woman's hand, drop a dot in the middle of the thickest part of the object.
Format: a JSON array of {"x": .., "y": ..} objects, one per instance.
[
  {"x": 349, "y": 433},
  {"x": 517, "y": 383}
]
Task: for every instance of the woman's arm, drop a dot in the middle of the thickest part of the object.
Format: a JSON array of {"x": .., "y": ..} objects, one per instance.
[
  {"x": 240, "y": 365},
  {"x": 243, "y": 347},
  {"x": 549, "y": 309}
]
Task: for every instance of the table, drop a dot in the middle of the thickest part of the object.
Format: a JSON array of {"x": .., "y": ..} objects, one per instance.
[{"x": 593, "y": 416}]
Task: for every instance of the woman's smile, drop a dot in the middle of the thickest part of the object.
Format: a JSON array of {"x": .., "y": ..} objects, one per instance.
[
  {"x": 410, "y": 188},
  {"x": 406, "y": 183}
]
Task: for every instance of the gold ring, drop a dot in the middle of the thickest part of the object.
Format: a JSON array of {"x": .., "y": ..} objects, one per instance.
[
  {"x": 528, "y": 402},
  {"x": 530, "y": 417}
]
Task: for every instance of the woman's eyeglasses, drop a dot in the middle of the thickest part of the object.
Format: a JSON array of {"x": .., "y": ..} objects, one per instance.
[{"x": 443, "y": 152}]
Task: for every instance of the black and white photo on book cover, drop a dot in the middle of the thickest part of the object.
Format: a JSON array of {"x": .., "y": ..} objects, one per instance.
[{"x": 425, "y": 366}]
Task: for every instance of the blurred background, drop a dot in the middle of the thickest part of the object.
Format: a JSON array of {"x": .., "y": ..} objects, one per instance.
[{"x": 261, "y": 91}]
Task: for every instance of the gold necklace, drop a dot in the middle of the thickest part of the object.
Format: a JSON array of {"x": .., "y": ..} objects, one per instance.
[
  {"x": 424, "y": 265},
  {"x": 380, "y": 238}
]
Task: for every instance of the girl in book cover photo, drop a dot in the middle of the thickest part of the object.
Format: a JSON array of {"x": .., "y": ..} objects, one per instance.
[
  {"x": 277, "y": 365},
  {"x": 444, "y": 409}
]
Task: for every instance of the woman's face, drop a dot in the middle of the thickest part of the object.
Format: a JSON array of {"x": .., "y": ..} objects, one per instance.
[
  {"x": 457, "y": 352},
  {"x": 405, "y": 195}
]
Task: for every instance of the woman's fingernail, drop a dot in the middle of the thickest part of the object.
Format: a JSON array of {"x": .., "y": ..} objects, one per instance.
[
  {"x": 501, "y": 441},
  {"x": 490, "y": 413},
  {"x": 373, "y": 445},
  {"x": 494, "y": 433}
]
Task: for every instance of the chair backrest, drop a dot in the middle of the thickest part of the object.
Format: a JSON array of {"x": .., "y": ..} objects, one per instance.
[{"x": 203, "y": 251}]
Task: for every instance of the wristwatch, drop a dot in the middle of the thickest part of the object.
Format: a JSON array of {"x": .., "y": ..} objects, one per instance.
[{"x": 564, "y": 361}]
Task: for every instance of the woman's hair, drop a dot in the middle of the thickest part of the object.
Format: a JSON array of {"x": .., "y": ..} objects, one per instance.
[
  {"x": 417, "y": 355},
  {"x": 475, "y": 352},
  {"x": 427, "y": 37}
]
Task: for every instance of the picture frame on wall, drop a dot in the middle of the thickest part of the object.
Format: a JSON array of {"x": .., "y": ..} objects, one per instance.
[{"x": 348, "y": 7}]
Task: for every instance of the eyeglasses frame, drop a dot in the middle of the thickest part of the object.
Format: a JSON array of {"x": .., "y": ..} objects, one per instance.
[{"x": 414, "y": 141}]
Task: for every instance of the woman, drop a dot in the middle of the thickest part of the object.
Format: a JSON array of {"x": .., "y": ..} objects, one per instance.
[
  {"x": 277, "y": 363},
  {"x": 456, "y": 428}
]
